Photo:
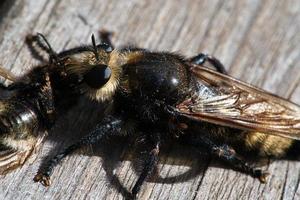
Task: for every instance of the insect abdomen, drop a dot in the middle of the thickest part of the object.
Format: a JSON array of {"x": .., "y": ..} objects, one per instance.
[
  {"x": 263, "y": 144},
  {"x": 268, "y": 145},
  {"x": 18, "y": 122}
]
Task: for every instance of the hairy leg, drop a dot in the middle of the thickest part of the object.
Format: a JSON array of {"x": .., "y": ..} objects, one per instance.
[
  {"x": 38, "y": 44},
  {"x": 110, "y": 126},
  {"x": 149, "y": 164},
  {"x": 228, "y": 154},
  {"x": 39, "y": 41}
]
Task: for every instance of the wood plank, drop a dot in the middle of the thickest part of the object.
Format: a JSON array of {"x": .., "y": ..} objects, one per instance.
[{"x": 258, "y": 41}]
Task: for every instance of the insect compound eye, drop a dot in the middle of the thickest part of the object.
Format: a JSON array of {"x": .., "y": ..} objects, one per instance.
[
  {"x": 107, "y": 48},
  {"x": 97, "y": 76}
]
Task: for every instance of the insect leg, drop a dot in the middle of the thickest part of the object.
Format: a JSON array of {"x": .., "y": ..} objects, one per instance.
[
  {"x": 149, "y": 165},
  {"x": 109, "y": 126},
  {"x": 228, "y": 154},
  {"x": 43, "y": 44},
  {"x": 105, "y": 37},
  {"x": 202, "y": 58}
]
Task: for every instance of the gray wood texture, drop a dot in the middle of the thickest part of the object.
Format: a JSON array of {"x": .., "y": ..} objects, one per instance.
[{"x": 258, "y": 42}]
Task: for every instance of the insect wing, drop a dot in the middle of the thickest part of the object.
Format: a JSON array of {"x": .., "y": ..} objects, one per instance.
[{"x": 226, "y": 101}]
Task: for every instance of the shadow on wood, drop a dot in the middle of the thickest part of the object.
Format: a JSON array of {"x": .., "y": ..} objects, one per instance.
[{"x": 123, "y": 148}]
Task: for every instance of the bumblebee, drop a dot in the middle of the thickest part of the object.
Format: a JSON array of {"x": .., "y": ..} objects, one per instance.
[
  {"x": 162, "y": 95},
  {"x": 32, "y": 103}
]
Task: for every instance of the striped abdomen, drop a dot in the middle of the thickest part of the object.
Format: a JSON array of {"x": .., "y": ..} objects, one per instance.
[{"x": 19, "y": 125}]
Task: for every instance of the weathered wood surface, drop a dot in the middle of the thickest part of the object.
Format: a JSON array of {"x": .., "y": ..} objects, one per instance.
[{"x": 258, "y": 41}]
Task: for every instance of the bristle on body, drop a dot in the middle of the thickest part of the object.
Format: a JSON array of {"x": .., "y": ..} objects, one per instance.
[{"x": 82, "y": 63}]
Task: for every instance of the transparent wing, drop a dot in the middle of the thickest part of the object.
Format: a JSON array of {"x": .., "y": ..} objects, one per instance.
[
  {"x": 7, "y": 75},
  {"x": 223, "y": 100}
]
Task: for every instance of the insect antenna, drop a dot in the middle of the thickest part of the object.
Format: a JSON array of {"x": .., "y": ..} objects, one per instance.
[{"x": 95, "y": 47}]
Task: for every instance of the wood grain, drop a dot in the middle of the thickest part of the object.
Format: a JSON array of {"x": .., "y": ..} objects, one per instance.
[{"x": 258, "y": 42}]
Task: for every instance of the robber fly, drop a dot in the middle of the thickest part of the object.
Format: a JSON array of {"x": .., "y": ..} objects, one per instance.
[
  {"x": 162, "y": 95},
  {"x": 33, "y": 102}
]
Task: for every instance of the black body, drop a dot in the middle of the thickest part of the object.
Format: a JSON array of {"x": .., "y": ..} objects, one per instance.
[
  {"x": 147, "y": 89},
  {"x": 31, "y": 104}
]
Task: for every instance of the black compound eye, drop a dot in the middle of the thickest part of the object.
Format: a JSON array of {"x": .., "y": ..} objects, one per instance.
[{"x": 97, "y": 76}]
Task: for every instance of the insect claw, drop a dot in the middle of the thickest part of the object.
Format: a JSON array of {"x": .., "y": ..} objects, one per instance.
[
  {"x": 43, "y": 179},
  {"x": 263, "y": 177}
]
